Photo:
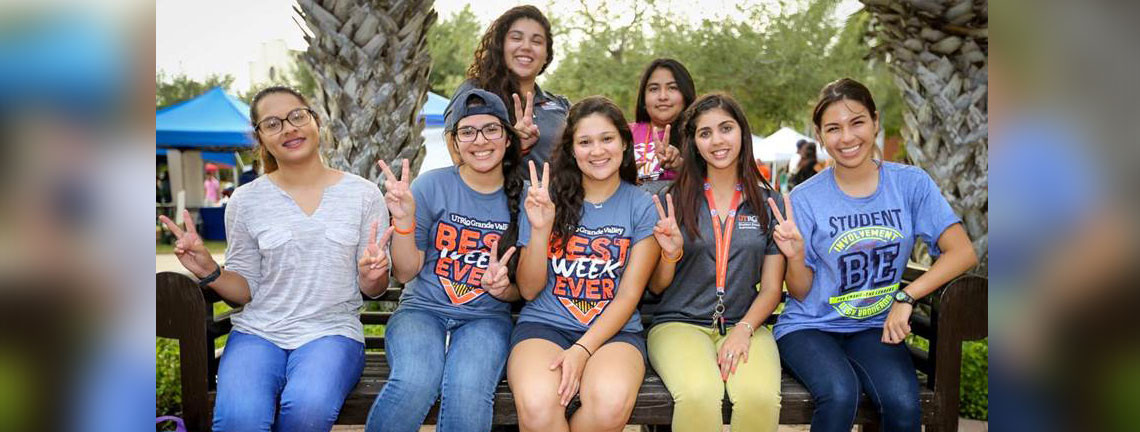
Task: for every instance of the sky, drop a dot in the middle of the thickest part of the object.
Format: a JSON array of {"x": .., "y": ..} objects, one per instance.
[{"x": 203, "y": 37}]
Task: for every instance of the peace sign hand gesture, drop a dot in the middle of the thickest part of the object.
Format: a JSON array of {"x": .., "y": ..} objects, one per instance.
[
  {"x": 189, "y": 247},
  {"x": 667, "y": 233},
  {"x": 495, "y": 280},
  {"x": 539, "y": 207},
  {"x": 668, "y": 156},
  {"x": 398, "y": 196},
  {"x": 374, "y": 264},
  {"x": 524, "y": 121},
  {"x": 786, "y": 234}
]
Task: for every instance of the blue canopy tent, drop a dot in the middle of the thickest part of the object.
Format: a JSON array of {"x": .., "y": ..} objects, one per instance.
[
  {"x": 432, "y": 112},
  {"x": 214, "y": 121}
]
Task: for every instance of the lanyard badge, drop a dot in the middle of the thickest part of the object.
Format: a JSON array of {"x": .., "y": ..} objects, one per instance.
[{"x": 723, "y": 240}]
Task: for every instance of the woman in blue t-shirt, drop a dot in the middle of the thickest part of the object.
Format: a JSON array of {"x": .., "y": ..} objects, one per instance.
[
  {"x": 847, "y": 236},
  {"x": 454, "y": 235},
  {"x": 587, "y": 252}
]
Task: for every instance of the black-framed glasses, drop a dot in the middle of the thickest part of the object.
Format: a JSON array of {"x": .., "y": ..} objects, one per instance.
[
  {"x": 491, "y": 132},
  {"x": 274, "y": 125}
]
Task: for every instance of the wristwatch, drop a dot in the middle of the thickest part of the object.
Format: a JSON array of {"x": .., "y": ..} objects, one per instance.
[
  {"x": 210, "y": 278},
  {"x": 902, "y": 296}
]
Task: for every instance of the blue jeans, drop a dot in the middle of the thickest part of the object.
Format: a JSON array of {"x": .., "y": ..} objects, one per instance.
[
  {"x": 311, "y": 381},
  {"x": 465, "y": 371},
  {"x": 835, "y": 367}
]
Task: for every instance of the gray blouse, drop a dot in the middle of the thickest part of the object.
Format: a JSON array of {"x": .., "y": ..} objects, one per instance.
[{"x": 301, "y": 269}]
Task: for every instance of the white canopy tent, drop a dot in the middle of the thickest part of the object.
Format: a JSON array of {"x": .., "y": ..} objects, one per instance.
[{"x": 780, "y": 146}]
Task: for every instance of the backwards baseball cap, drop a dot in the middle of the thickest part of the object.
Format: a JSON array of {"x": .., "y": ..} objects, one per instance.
[{"x": 461, "y": 107}]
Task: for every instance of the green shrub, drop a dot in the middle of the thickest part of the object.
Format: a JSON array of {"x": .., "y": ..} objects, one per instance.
[
  {"x": 975, "y": 386},
  {"x": 168, "y": 387}
]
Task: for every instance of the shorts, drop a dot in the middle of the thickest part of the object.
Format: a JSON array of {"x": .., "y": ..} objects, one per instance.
[{"x": 566, "y": 338}]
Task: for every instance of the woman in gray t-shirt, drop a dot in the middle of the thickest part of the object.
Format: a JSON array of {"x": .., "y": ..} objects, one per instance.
[
  {"x": 301, "y": 248},
  {"x": 707, "y": 335}
]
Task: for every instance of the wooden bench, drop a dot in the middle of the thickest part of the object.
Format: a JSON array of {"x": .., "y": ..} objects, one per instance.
[{"x": 955, "y": 313}]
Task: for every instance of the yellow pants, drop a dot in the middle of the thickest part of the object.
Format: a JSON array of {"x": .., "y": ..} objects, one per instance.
[{"x": 684, "y": 355}]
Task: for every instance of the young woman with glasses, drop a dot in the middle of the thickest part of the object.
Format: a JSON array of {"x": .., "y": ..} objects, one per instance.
[
  {"x": 302, "y": 246},
  {"x": 454, "y": 242}
]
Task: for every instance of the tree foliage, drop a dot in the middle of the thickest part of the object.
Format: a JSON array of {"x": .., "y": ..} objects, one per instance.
[
  {"x": 452, "y": 45},
  {"x": 170, "y": 90},
  {"x": 774, "y": 61}
]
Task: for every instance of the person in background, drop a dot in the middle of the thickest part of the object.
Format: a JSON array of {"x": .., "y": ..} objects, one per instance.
[
  {"x": 808, "y": 164},
  {"x": 250, "y": 174},
  {"x": 213, "y": 185},
  {"x": 666, "y": 90},
  {"x": 515, "y": 50}
]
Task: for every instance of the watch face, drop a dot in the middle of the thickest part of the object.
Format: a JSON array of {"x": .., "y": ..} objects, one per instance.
[{"x": 901, "y": 296}]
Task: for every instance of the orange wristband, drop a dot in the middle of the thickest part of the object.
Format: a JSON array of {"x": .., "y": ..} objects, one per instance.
[
  {"x": 673, "y": 260},
  {"x": 409, "y": 231}
]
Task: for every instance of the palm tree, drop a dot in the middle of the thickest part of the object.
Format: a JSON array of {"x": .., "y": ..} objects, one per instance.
[
  {"x": 938, "y": 53},
  {"x": 371, "y": 64}
]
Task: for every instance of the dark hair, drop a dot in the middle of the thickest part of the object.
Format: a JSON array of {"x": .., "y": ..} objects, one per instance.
[
  {"x": 689, "y": 186},
  {"x": 684, "y": 84},
  {"x": 489, "y": 69},
  {"x": 267, "y": 159},
  {"x": 842, "y": 89},
  {"x": 512, "y": 182},
  {"x": 809, "y": 159},
  {"x": 566, "y": 187}
]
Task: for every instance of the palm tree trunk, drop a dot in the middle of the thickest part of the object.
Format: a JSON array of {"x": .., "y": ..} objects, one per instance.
[
  {"x": 371, "y": 64},
  {"x": 937, "y": 51}
]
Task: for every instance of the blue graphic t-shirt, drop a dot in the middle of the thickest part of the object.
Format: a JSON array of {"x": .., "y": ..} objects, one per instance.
[
  {"x": 583, "y": 275},
  {"x": 454, "y": 225},
  {"x": 858, "y": 247}
]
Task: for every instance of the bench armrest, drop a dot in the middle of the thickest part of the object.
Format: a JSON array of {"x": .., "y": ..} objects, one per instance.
[
  {"x": 183, "y": 314},
  {"x": 959, "y": 313}
]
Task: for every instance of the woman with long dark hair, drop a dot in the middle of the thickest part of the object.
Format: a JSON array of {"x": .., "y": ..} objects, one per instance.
[
  {"x": 807, "y": 164},
  {"x": 455, "y": 233},
  {"x": 847, "y": 235},
  {"x": 586, "y": 253},
  {"x": 666, "y": 90},
  {"x": 708, "y": 335},
  {"x": 302, "y": 246},
  {"x": 515, "y": 50}
]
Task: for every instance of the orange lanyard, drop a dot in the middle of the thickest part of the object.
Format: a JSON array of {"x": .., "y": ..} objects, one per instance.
[{"x": 723, "y": 241}]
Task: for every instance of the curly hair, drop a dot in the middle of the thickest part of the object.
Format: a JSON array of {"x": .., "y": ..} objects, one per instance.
[
  {"x": 566, "y": 186},
  {"x": 689, "y": 186},
  {"x": 489, "y": 69},
  {"x": 513, "y": 177}
]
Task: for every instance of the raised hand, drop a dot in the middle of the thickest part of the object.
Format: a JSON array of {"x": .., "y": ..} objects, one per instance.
[
  {"x": 189, "y": 248},
  {"x": 667, "y": 233},
  {"x": 374, "y": 264},
  {"x": 398, "y": 196},
  {"x": 524, "y": 121},
  {"x": 495, "y": 280},
  {"x": 786, "y": 234},
  {"x": 667, "y": 155},
  {"x": 539, "y": 207}
]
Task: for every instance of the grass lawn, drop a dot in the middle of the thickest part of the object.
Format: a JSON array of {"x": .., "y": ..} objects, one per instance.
[{"x": 214, "y": 246}]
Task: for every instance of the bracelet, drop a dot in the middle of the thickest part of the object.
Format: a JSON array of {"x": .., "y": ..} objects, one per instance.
[
  {"x": 408, "y": 231},
  {"x": 672, "y": 260},
  {"x": 210, "y": 278},
  {"x": 751, "y": 330},
  {"x": 584, "y": 347}
]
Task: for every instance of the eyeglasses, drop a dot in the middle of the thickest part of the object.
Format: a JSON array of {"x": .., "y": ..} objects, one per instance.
[
  {"x": 491, "y": 132},
  {"x": 273, "y": 125}
]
